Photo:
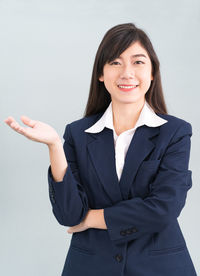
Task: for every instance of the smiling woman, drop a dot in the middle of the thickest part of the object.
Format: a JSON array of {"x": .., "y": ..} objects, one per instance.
[
  {"x": 120, "y": 180},
  {"x": 131, "y": 73}
]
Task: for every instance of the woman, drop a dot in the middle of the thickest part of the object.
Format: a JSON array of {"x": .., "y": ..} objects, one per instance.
[{"x": 121, "y": 178}]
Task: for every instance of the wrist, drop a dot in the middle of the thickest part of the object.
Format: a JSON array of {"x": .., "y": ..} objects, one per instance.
[
  {"x": 55, "y": 144},
  {"x": 89, "y": 218},
  {"x": 95, "y": 219}
]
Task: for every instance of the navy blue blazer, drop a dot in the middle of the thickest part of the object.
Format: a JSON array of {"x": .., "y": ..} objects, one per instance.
[{"x": 141, "y": 210}]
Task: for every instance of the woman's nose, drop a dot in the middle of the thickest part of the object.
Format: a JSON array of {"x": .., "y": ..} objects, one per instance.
[{"x": 127, "y": 72}]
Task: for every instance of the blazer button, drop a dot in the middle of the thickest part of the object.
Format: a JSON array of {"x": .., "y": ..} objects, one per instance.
[
  {"x": 123, "y": 233},
  {"x": 129, "y": 231},
  {"x": 119, "y": 257},
  {"x": 134, "y": 230},
  {"x": 53, "y": 199}
]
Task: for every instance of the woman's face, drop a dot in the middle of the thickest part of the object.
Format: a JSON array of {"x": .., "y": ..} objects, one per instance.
[{"x": 132, "y": 68}]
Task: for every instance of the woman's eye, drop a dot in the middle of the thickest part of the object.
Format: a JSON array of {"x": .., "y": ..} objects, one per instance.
[
  {"x": 139, "y": 61},
  {"x": 136, "y": 62},
  {"x": 114, "y": 62}
]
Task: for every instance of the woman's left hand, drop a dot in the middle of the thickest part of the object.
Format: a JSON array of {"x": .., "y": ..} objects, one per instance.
[
  {"x": 81, "y": 226},
  {"x": 93, "y": 219},
  {"x": 78, "y": 228}
]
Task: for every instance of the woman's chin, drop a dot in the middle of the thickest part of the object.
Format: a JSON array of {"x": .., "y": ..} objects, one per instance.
[{"x": 130, "y": 100}]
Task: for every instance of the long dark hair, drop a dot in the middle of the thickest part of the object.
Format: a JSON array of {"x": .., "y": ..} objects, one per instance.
[{"x": 115, "y": 41}]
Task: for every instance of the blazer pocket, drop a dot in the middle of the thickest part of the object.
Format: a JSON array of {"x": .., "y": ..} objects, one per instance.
[
  {"x": 167, "y": 251},
  {"x": 82, "y": 250}
]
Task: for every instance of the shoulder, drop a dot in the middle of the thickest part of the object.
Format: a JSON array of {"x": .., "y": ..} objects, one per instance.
[
  {"x": 175, "y": 124},
  {"x": 78, "y": 126}
]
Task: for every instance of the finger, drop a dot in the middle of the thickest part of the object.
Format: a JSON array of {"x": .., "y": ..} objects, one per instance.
[
  {"x": 17, "y": 127},
  {"x": 27, "y": 121},
  {"x": 14, "y": 125},
  {"x": 9, "y": 120}
]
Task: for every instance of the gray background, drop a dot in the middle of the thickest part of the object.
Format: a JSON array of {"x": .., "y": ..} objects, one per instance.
[{"x": 47, "y": 50}]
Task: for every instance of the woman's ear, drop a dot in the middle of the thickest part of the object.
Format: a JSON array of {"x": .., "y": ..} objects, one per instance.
[{"x": 101, "y": 78}]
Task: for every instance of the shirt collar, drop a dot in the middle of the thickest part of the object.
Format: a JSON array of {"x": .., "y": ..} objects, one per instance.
[{"x": 147, "y": 117}]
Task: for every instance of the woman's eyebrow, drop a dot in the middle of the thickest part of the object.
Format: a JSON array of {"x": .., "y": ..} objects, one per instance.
[{"x": 137, "y": 55}]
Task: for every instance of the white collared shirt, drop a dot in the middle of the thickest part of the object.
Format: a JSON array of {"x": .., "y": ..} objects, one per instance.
[{"x": 147, "y": 117}]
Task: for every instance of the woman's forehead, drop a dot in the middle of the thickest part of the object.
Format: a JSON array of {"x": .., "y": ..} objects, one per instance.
[{"x": 134, "y": 50}]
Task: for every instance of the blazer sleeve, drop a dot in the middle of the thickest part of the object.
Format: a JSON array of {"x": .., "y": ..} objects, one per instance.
[
  {"x": 68, "y": 198},
  {"x": 130, "y": 219}
]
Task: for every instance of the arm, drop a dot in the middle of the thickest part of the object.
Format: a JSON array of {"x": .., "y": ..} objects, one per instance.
[
  {"x": 68, "y": 197},
  {"x": 58, "y": 161},
  {"x": 95, "y": 219},
  {"x": 130, "y": 219}
]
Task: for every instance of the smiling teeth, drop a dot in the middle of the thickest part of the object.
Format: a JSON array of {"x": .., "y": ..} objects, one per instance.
[{"x": 128, "y": 87}]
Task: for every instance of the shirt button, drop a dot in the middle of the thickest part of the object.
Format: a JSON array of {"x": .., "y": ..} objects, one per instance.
[{"x": 119, "y": 257}]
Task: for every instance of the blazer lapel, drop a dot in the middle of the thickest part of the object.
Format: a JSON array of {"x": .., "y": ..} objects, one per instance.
[
  {"x": 102, "y": 153},
  {"x": 140, "y": 147}
]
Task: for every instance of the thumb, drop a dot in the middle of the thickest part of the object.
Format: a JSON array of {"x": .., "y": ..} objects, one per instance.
[{"x": 27, "y": 121}]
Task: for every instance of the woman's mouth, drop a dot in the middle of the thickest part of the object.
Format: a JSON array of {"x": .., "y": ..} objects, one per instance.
[{"x": 127, "y": 88}]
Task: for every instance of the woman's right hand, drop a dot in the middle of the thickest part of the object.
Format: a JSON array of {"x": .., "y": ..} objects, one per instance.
[{"x": 37, "y": 131}]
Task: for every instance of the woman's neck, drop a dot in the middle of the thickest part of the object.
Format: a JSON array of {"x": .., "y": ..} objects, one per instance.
[{"x": 125, "y": 115}]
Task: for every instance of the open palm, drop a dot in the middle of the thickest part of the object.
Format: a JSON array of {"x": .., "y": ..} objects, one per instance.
[{"x": 36, "y": 130}]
